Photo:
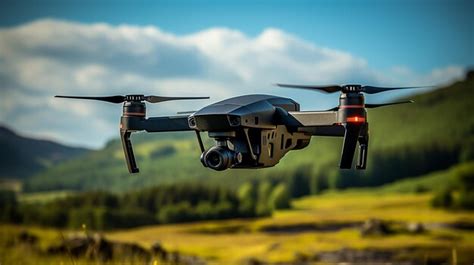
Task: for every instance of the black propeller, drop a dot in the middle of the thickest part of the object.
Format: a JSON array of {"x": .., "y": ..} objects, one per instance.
[
  {"x": 121, "y": 99},
  {"x": 375, "y": 89},
  {"x": 328, "y": 89},
  {"x": 372, "y": 106},
  {"x": 348, "y": 88},
  {"x": 186, "y": 112}
]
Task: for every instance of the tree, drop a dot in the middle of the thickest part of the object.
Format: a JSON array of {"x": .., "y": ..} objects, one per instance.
[
  {"x": 465, "y": 177},
  {"x": 299, "y": 182},
  {"x": 247, "y": 198},
  {"x": 263, "y": 206},
  {"x": 318, "y": 183},
  {"x": 8, "y": 206},
  {"x": 280, "y": 197}
]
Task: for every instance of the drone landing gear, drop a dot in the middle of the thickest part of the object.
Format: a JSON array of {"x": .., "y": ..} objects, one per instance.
[{"x": 355, "y": 133}]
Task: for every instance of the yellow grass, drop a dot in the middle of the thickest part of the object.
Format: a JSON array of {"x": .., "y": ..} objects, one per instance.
[
  {"x": 233, "y": 241},
  {"x": 232, "y": 248}
]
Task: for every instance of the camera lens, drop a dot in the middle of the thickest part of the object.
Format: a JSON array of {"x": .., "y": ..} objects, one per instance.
[
  {"x": 214, "y": 159},
  {"x": 219, "y": 158}
]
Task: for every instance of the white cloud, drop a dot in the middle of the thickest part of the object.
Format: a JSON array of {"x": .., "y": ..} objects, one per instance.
[{"x": 48, "y": 57}]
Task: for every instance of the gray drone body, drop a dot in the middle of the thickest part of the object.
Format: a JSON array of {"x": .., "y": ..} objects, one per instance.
[
  {"x": 250, "y": 131},
  {"x": 255, "y": 131}
]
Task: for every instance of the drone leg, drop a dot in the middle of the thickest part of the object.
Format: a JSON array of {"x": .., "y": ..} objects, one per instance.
[
  {"x": 201, "y": 145},
  {"x": 348, "y": 148},
  {"x": 249, "y": 144},
  {"x": 363, "y": 148},
  {"x": 128, "y": 150}
]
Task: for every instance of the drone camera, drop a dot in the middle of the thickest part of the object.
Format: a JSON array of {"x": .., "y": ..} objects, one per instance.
[{"x": 220, "y": 158}]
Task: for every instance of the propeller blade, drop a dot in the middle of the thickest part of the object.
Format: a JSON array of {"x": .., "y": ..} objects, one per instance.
[
  {"x": 371, "y": 106},
  {"x": 157, "y": 99},
  {"x": 186, "y": 112},
  {"x": 375, "y": 89},
  {"x": 327, "y": 89},
  {"x": 111, "y": 99}
]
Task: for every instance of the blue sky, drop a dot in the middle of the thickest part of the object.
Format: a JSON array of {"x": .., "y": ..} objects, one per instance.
[
  {"x": 419, "y": 34},
  {"x": 216, "y": 48}
]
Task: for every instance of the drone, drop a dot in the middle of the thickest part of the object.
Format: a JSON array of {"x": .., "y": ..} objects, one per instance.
[{"x": 256, "y": 131}]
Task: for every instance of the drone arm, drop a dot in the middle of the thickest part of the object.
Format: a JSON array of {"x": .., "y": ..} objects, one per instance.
[
  {"x": 129, "y": 124},
  {"x": 311, "y": 118},
  {"x": 156, "y": 124},
  {"x": 321, "y": 123},
  {"x": 331, "y": 130}
]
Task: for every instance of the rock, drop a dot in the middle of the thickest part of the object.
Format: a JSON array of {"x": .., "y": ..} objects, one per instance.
[
  {"x": 416, "y": 228},
  {"x": 355, "y": 256},
  {"x": 252, "y": 261},
  {"x": 399, "y": 256},
  {"x": 75, "y": 246},
  {"x": 158, "y": 250},
  {"x": 27, "y": 238},
  {"x": 97, "y": 247},
  {"x": 374, "y": 227},
  {"x": 130, "y": 251}
]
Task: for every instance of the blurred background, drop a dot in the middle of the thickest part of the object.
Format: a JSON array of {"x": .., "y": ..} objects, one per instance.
[{"x": 66, "y": 195}]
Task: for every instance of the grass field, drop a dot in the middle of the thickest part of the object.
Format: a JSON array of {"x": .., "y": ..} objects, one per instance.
[
  {"x": 230, "y": 242},
  {"x": 328, "y": 222}
]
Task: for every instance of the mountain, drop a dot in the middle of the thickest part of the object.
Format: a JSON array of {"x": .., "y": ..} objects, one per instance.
[
  {"x": 21, "y": 157},
  {"x": 410, "y": 140}
]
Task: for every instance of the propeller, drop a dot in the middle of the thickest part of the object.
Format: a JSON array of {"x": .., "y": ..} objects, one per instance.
[
  {"x": 373, "y": 106},
  {"x": 348, "y": 88},
  {"x": 327, "y": 89},
  {"x": 121, "y": 99},
  {"x": 186, "y": 112}
]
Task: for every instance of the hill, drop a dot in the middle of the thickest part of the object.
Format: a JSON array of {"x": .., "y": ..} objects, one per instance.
[
  {"x": 21, "y": 157},
  {"x": 406, "y": 141}
]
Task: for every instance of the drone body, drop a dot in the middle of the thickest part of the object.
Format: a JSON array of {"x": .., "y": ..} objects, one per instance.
[
  {"x": 255, "y": 131},
  {"x": 250, "y": 131}
]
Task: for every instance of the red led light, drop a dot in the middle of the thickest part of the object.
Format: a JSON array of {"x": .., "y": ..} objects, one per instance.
[{"x": 356, "y": 119}]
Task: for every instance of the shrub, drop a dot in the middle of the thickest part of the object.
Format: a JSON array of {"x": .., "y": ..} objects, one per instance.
[
  {"x": 176, "y": 213},
  {"x": 8, "y": 207},
  {"x": 466, "y": 200},
  {"x": 442, "y": 198}
]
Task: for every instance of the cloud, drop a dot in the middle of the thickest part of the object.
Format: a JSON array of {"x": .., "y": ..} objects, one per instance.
[{"x": 48, "y": 57}]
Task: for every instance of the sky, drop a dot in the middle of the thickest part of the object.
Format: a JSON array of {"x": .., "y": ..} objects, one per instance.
[{"x": 216, "y": 48}]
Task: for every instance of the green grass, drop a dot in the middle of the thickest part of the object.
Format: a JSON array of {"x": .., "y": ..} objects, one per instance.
[
  {"x": 232, "y": 241},
  {"x": 351, "y": 206},
  {"x": 430, "y": 182}
]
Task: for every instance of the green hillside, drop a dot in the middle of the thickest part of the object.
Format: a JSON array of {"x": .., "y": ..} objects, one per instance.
[
  {"x": 409, "y": 140},
  {"x": 21, "y": 157}
]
